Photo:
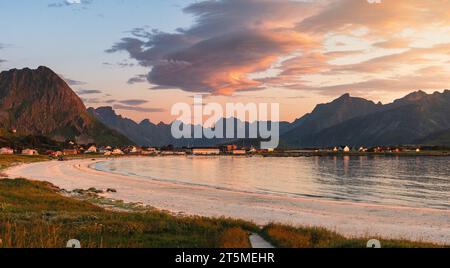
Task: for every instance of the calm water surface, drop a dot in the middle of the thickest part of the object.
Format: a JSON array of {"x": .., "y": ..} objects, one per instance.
[{"x": 405, "y": 181}]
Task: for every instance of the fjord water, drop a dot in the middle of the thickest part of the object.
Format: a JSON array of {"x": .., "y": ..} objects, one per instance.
[{"x": 422, "y": 182}]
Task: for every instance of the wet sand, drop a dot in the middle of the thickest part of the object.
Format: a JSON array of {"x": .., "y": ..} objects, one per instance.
[{"x": 350, "y": 219}]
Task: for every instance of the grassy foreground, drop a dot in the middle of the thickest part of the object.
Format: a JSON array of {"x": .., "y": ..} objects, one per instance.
[{"x": 39, "y": 215}]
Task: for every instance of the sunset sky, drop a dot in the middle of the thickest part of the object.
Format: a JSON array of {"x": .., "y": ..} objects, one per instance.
[{"x": 142, "y": 56}]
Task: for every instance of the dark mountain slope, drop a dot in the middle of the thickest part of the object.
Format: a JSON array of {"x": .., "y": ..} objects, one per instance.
[{"x": 39, "y": 102}]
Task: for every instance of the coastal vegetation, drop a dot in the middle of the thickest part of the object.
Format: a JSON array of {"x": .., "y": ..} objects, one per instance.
[{"x": 283, "y": 236}]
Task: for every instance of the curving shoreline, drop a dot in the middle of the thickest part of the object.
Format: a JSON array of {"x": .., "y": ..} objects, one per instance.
[{"x": 351, "y": 219}]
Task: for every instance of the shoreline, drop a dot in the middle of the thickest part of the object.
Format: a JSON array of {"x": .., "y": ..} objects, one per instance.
[{"x": 347, "y": 218}]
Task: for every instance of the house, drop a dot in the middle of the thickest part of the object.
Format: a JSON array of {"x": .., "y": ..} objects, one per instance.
[
  {"x": 91, "y": 150},
  {"x": 107, "y": 153},
  {"x": 346, "y": 149},
  {"x": 363, "y": 150},
  {"x": 206, "y": 151},
  {"x": 70, "y": 152},
  {"x": 335, "y": 149},
  {"x": 54, "y": 153},
  {"x": 149, "y": 151},
  {"x": 239, "y": 152},
  {"x": 30, "y": 152},
  {"x": 229, "y": 148},
  {"x": 133, "y": 150},
  {"x": 117, "y": 152},
  {"x": 6, "y": 150}
]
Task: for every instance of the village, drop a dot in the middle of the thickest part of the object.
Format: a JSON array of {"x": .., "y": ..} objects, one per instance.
[{"x": 73, "y": 149}]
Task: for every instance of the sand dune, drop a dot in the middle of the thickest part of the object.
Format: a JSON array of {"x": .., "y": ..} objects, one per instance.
[{"x": 351, "y": 219}]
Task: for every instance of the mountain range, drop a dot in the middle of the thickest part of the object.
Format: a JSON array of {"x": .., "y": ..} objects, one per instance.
[
  {"x": 40, "y": 103},
  {"x": 414, "y": 119}
]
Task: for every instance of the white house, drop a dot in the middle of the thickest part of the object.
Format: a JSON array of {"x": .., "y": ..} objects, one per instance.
[
  {"x": 6, "y": 150},
  {"x": 30, "y": 152},
  {"x": 347, "y": 149},
  {"x": 239, "y": 152},
  {"x": 206, "y": 151},
  {"x": 91, "y": 150},
  {"x": 118, "y": 152},
  {"x": 150, "y": 151}
]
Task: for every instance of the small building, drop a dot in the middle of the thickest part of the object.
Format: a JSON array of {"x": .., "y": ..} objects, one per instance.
[
  {"x": 363, "y": 150},
  {"x": 150, "y": 151},
  {"x": 239, "y": 152},
  {"x": 335, "y": 149},
  {"x": 231, "y": 148},
  {"x": 346, "y": 149},
  {"x": 206, "y": 151},
  {"x": 30, "y": 152},
  {"x": 6, "y": 151},
  {"x": 117, "y": 152},
  {"x": 70, "y": 152},
  {"x": 54, "y": 153},
  {"x": 133, "y": 150},
  {"x": 91, "y": 150}
]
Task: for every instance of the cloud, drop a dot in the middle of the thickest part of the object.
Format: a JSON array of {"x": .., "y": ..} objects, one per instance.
[
  {"x": 137, "y": 109},
  {"x": 142, "y": 78},
  {"x": 324, "y": 44},
  {"x": 2, "y": 46},
  {"x": 72, "y": 82},
  {"x": 390, "y": 16},
  {"x": 97, "y": 101},
  {"x": 88, "y": 91},
  {"x": 66, "y": 3},
  {"x": 230, "y": 40},
  {"x": 133, "y": 102}
]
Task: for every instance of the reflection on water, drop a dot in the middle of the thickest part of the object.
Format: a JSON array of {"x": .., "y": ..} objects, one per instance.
[{"x": 406, "y": 181}]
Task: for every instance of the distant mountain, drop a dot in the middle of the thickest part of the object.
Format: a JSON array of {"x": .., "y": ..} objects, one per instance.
[
  {"x": 39, "y": 103},
  {"x": 404, "y": 121},
  {"x": 325, "y": 116},
  {"x": 416, "y": 118},
  {"x": 147, "y": 133},
  {"x": 440, "y": 138}
]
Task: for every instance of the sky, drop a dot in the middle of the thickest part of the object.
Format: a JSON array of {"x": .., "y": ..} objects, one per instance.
[{"x": 143, "y": 56}]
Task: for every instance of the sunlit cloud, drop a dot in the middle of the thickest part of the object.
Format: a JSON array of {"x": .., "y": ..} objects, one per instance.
[{"x": 327, "y": 47}]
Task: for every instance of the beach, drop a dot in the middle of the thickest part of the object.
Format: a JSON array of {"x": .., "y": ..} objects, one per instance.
[{"x": 348, "y": 218}]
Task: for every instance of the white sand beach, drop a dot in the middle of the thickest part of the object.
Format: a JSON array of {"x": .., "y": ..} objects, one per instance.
[{"x": 351, "y": 219}]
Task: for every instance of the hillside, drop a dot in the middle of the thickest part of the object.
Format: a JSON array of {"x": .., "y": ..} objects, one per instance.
[
  {"x": 404, "y": 121},
  {"x": 40, "y": 103}
]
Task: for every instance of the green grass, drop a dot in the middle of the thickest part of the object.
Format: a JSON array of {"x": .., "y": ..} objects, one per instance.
[
  {"x": 283, "y": 236},
  {"x": 7, "y": 161},
  {"x": 36, "y": 215}
]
